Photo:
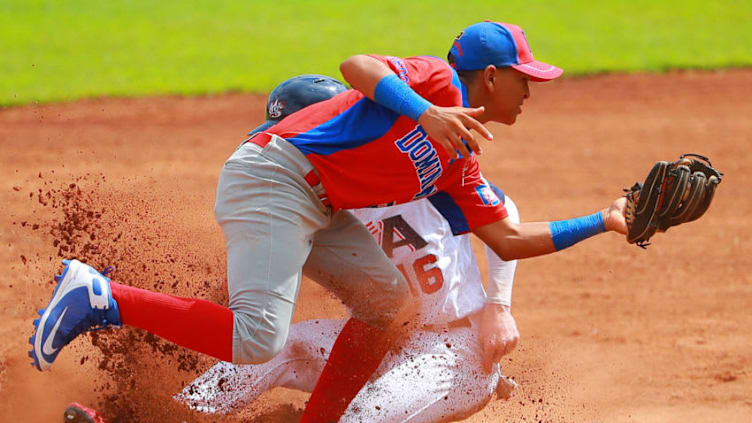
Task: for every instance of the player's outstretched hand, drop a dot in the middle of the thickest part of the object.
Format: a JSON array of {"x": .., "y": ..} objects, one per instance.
[
  {"x": 450, "y": 125},
  {"x": 614, "y": 218},
  {"x": 498, "y": 334}
]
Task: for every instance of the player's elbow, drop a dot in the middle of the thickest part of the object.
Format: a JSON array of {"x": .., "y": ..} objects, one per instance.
[
  {"x": 505, "y": 254},
  {"x": 363, "y": 73},
  {"x": 352, "y": 66},
  {"x": 502, "y": 237}
]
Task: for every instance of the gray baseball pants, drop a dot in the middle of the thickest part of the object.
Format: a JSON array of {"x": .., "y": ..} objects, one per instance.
[{"x": 277, "y": 228}]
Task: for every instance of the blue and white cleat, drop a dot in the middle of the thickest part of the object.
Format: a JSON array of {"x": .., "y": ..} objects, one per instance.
[{"x": 82, "y": 301}]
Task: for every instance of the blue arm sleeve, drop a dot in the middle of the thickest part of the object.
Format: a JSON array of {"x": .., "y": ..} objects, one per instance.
[
  {"x": 394, "y": 94},
  {"x": 566, "y": 233}
]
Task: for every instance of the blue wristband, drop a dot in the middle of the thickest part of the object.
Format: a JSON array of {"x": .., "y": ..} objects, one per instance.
[
  {"x": 394, "y": 94},
  {"x": 566, "y": 233}
]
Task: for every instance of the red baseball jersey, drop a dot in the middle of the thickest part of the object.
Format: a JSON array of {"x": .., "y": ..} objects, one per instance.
[{"x": 370, "y": 156}]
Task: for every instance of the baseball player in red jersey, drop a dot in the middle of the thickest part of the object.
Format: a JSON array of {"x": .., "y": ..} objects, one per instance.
[
  {"x": 442, "y": 275},
  {"x": 400, "y": 135}
]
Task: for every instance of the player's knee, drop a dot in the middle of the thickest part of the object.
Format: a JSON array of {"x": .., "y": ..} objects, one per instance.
[
  {"x": 258, "y": 357},
  {"x": 251, "y": 351},
  {"x": 255, "y": 343}
]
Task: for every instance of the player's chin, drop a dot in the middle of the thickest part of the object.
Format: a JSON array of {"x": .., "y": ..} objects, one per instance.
[{"x": 510, "y": 119}]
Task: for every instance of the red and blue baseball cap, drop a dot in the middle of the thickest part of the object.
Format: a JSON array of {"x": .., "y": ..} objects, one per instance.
[{"x": 499, "y": 44}]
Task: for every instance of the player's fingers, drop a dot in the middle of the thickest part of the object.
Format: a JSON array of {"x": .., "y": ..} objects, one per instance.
[
  {"x": 509, "y": 346},
  {"x": 488, "y": 363},
  {"x": 464, "y": 132},
  {"x": 474, "y": 111},
  {"x": 498, "y": 353},
  {"x": 469, "y": 139},
  {"x": 448, "y": 146},
  {"x": 471, "y": 123},
  {"x": 459, "y": 145}
]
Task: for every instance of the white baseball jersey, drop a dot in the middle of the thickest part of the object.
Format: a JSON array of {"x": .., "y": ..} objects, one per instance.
[
  {"x": 439, "y": 267},
  {"x": 413, "y": 381}
]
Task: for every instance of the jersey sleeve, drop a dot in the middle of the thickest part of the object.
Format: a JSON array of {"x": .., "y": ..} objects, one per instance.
[
  {"x": 500, "y": 272},
  {"x": 430, "y": 77},
  {"x": 466, "y": 199}
]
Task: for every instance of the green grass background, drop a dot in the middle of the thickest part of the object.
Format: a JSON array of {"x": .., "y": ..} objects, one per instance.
[{"x": 66, "y": 49}]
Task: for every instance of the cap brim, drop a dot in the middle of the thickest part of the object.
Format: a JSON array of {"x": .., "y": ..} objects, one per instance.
[
  {"x": 539, "y": 71},
  {"x": 264, "y": 126}
]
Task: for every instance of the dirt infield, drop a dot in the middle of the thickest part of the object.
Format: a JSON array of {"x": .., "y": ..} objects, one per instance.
[{"x": 610, "y": 332}]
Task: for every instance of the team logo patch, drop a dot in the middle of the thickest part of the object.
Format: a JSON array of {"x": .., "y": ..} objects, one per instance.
[
  {"x": 487, "y": 196},
  {"x": 275, "y": 108}
]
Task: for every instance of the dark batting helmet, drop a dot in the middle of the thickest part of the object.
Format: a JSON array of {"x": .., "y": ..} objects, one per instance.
[{"x": 298, "y": 93}]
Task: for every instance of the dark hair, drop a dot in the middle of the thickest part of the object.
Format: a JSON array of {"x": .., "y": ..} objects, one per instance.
[{"x": 465, "y": 75}]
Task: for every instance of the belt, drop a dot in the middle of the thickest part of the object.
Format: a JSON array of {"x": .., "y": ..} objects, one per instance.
[
  {"x": 459, "y": 323},
  {"x": 312, "y": 178}
]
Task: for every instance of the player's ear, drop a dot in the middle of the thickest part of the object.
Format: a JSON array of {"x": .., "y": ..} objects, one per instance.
[{"x": 489, "y": 77}]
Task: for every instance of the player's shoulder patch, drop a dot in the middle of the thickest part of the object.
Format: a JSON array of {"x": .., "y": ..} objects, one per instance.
[{"x": 487, "y": 195}]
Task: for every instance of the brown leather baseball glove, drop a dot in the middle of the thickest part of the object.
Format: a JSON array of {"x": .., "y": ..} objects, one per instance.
[{"x": 673, "y": 193}]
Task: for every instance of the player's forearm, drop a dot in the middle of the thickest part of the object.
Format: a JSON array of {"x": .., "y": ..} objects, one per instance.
[
  {"x": 511, "y": 242},
  {"x": 517, "y": 241},
  {"x": 378, "y": 82},
  {"x": 500, "y": 279}
]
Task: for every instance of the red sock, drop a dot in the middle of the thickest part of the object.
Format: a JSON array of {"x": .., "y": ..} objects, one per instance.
[
  {"x": 192, "y": 323},
  {"x": 356, "y": 354}
]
